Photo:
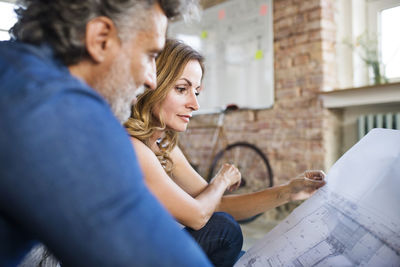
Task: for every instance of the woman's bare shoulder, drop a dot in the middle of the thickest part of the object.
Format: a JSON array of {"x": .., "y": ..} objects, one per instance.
[
  {"x": 141, "y": 148},
  {"x": 136, "y": 141}
]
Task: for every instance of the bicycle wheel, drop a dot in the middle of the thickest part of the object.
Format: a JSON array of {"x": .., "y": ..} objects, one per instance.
[{"x": 252, "y": 164}]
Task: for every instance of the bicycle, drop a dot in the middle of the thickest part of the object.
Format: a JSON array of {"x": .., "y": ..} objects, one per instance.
[{"x": 248, "y": 158}]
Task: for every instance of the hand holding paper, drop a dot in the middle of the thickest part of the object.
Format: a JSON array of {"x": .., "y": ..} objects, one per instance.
[{"x": 303, "y": 186}]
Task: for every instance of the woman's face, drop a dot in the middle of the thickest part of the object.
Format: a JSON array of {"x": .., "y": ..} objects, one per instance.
[{"x": 181, "y": 100}]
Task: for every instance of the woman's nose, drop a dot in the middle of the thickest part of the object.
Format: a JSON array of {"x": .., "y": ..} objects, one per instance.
[{"x": 193, "y": 101}]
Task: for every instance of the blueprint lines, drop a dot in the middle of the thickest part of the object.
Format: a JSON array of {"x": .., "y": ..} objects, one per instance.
[{"x": 352, "y": 221}]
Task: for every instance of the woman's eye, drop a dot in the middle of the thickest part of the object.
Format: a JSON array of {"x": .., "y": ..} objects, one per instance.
[
  {"x": 180, "y": 89},
  {"x": 197, "y": 93}
]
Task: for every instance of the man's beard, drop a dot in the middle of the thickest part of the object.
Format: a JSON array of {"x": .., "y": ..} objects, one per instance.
[{"x": 118, "y": 87}]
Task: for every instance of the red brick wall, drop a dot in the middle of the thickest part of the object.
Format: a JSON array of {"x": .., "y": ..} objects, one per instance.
[{"x": 293, "y": 134}]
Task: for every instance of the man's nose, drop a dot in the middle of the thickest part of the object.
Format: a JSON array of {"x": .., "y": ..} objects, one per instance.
[{"x": 151, "y": 78}]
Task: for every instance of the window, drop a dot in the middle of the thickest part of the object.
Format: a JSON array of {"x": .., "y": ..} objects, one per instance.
[
  {"x": 368, "y": 26},
  {"x": 384, "y": 18},
  {"x": 390, "y": 42},
  {"x": 7, "y": 19}
]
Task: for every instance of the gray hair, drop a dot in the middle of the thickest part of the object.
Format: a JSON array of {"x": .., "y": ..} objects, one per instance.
[{"x": 62, "y": 23}]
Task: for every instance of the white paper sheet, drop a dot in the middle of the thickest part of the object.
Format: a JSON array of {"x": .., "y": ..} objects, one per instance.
[{"x": 354, "y": 220}]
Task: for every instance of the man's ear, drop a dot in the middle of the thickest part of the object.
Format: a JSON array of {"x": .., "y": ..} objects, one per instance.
[{"x": 101, "y": 38}]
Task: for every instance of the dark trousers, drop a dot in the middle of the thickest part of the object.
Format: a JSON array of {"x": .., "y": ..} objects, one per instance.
[{"x": 221, "y": 239}]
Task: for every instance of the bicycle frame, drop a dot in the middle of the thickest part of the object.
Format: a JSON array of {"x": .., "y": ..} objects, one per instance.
[{"x": 218, "y": 135}]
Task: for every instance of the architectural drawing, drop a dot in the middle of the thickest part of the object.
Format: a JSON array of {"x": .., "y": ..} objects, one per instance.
[{"x": 352, "y": 221}]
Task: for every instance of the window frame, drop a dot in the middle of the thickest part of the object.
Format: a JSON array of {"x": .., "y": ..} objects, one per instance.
[
  {"x": 375, "y": 8},
  {"x": 354, "y": 18}
]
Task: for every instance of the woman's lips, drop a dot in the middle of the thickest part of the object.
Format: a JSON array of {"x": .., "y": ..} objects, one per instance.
[{"x": 185, "y": 118}]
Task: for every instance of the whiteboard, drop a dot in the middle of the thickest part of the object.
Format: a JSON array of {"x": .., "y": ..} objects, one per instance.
[{"x": 236, "y": 39}]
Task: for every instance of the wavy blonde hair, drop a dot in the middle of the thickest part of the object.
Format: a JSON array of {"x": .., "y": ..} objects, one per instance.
[{"x": 143, "y": 124}]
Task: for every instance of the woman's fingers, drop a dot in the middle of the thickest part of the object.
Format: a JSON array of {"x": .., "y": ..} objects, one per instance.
[
  {"x": 234, "y": 175},
  {"x": 306, "y": 184},
  {"x": 314, "y": 175},
  {"x": 314, "y": 183}
]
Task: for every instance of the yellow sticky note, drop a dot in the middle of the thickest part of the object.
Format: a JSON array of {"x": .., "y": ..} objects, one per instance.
[
  {"x": 204, "y": 34},
  {"x": 259, "y": 54}
]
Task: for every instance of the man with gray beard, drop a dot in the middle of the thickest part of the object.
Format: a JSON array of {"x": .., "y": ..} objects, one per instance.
[
  {"x": 118, "y": 87},
  {"x": 69, "y": 177}
]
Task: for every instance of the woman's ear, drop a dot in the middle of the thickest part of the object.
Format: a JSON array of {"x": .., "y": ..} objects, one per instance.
[{"x": 101, "y": 38}]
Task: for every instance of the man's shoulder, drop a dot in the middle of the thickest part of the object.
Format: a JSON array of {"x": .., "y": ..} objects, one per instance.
[
  {"x": 29, "y": 64},
  {"x": 30, "y": 74}
]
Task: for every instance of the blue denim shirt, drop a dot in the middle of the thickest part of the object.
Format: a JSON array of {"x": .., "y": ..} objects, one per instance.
[{"x": 69, "y": 176}]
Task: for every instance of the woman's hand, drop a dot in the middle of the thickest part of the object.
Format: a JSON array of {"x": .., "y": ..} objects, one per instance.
[
  {"x": 304, "y": 185},
  {"x": 231, "y": 175}
]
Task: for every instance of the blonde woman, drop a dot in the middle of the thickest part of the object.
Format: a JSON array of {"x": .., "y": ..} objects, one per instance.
[{"x": 208, "y": 215}]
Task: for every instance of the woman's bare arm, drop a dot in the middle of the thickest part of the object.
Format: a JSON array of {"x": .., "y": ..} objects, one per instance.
[
  {"x": 191, "y": 211},
  {"x": 184, "y": 174},
  {"x": 239, "y": 206},
  {"x": 246, "y": 205}
]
